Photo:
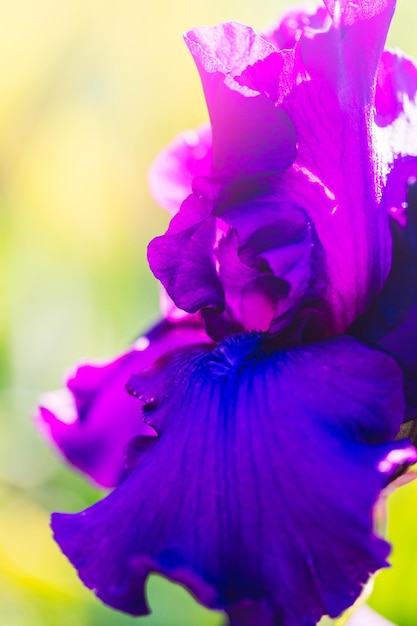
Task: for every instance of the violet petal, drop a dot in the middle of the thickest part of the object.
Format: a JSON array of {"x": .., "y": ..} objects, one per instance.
[
  {"x": 333, "y": 114},
  {"x": 261, "y": 486},
  {"x": 395, "y": 97},
  {"x": 391, "y": 323},
  {"x": 93, "y": 419},
  {"x": 222, "y": 53},
  {"x": 182, "y": 259}
]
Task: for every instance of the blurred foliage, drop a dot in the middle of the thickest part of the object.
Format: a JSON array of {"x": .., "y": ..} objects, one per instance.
[{"x": 91, "y": 90}]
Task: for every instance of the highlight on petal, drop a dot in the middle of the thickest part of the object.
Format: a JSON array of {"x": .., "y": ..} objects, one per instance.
[
  {"x": 93, "y": 419},
  {"x": 260, "y": 488},
  {"x": 395, "y": 126},
  {"x": 349, "y": 12},
  {"x": 294, "y": 24},
  {"x": 396, "y": 88},
  {"x": 171, "y": 174}
]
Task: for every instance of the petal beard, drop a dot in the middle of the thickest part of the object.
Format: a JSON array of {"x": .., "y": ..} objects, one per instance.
[
  {"x": 93, "y": 419},
  {"x": 222, "y": 53},
  {"x": 173, "y": 170},
  {"x": 259, "y": 492}
]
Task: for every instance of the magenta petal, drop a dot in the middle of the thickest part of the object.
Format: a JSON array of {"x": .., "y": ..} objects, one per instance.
[
  {"x": 261, "y": 485},
  {"x": 222, "y": 53},
  {"x": 396, "y": 107},
  {"x": 276, "y": 240},
  {"x": 294, "y": 23},
  {"x": 173, "y": 170},
  {"x": 396, "y": 89},
  {"x": 183, "y": 259},
  {"x": 235, "y": 275},
  {"x": 92, "y": 421}
]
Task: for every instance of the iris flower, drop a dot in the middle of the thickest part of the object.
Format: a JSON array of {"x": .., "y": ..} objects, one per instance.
[{"x": 250, "y": 433}]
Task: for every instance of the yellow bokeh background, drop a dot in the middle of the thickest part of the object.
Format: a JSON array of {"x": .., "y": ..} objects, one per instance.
[{"x": 90, "y": 92}]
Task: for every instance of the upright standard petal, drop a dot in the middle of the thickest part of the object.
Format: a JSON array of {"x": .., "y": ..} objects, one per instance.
[
  {"x": 333, "y": 116},
  {"x": 93, "y": 419},
  {"x": 325, "y": 84},
  {"x": 349, "y": 12},
  {"x": 250, "y": 135},
  {"x": 260, "y": 489}
]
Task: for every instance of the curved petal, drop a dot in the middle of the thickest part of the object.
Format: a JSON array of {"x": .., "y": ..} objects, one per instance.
[
  {"x": 173, "y": 170},
  {"x": 93, "y": 419},
  {"x": 274, "y": 241},
  {"x": 182, "y": 259},
  {"x": 332, "y": 113},
  {"x": 349, "y": 12},
  {"x": 261, "y": 486},
  {"x": 396, "y": 89},
  {"x": 394, "y": 200},
  {"x": 294, "y": 24},
  {"x": 391, "y": 322},
  {"x": 222, "y": 53},
  {"x": 395, "y": 125}
]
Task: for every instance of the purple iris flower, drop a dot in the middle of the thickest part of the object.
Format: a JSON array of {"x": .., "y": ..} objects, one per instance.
[{"x": 267, "y": 411}]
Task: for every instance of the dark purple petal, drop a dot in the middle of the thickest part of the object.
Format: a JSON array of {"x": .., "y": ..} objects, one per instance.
[
  {"x": 260, "y": 490},
  {"x": 394, "y": 199},
  {"x": 250, "y": 135},
  {"x": 399, "y": 294},
  {"x": 391, "y": 322},
  {"x": 93, "y": 419},
  {"x": 172, "y": 172},
  {"x": 183, "y": 258}
]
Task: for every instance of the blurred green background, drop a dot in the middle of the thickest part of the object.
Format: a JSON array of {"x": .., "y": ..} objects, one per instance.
[{"x": 90, "y": 91}]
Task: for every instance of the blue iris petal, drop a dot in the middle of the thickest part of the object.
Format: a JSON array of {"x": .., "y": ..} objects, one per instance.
[{"x": 260, "y": 489}]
